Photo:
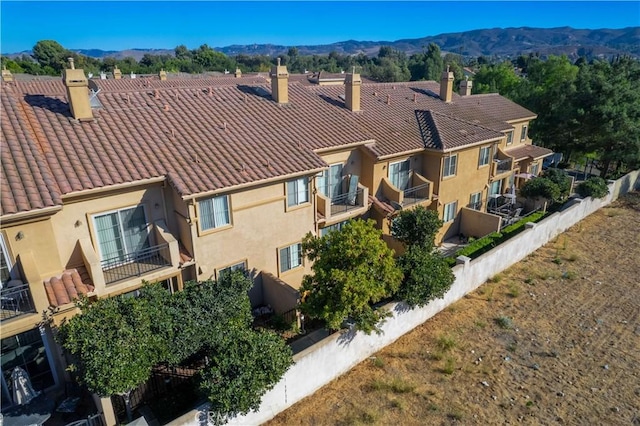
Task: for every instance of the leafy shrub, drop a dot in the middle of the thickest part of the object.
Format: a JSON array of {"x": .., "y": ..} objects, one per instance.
[
  {"x": 560, "y": 178},
  {"x": 595, "y": 187},
  {"x": 541, "y": 187},
  {"x": 427, "y": 276}
]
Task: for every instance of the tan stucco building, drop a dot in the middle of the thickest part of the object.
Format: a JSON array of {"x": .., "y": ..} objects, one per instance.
[{"x": 107, "y": 183}]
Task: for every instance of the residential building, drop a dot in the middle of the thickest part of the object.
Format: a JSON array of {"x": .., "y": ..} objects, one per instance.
[{"x": 108, "y": 183}]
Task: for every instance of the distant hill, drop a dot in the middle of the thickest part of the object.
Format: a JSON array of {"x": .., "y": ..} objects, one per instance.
[{"x": 499, "y": 42}]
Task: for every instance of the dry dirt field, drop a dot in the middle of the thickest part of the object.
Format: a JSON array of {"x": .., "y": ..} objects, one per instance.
[{"x": 553, "y": 340}]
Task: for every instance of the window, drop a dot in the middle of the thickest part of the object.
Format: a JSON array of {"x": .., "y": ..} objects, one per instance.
[
  {"x": 534, "y": 169},
  {"x": 28, "y": 351},
  {"x": 298, "y": 191},
  {"x": 523, "y": 135},
  {"x": 509, "y": 138},
  {"x": 450, "y": 165},
  {"x": 330, "y": 181},
  {"x": 399, "y": 174},
  {"x": 495, "y": 188},
  {"x": 450, "y": 211},
  {"x": 121, "y": 234},
  {"x": 240, "y": 266},
  {"x": 214, "y": 212},
  {"x": 485, "y": 153},
  {"x": 290, "y": 257},
  {"x": 475, "y": 201},
  {"x": 5, "y": 263},
  {"x": 335, "y": 227}
]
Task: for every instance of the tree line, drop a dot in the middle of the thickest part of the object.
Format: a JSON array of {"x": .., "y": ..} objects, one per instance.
[{"x": 586, "y": 109}]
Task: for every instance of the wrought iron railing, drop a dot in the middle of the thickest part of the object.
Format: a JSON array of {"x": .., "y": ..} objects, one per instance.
[
  {"x": 346, "y": 202},
  {"x": 416, "y": 194},
  {"x": 136, "y": 264},
  {"x": 503, "y": 165},
  {"x": 16, "y": 301}
]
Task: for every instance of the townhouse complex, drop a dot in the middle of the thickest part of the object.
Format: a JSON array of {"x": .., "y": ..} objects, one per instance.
[{"x": 110, "y": 182}]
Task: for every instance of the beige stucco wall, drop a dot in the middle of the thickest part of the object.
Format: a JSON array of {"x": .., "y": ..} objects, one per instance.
[
  {"x": 38, "y": 237},
  {"x": 75, "y": 221},
  {"x": 469, "y": 178},
  {"x": 261, "y": 225},
  {"x": 474, "y": 223},
  {"x": 350, "y": 160},
  {"x": 381, "y": 169}
]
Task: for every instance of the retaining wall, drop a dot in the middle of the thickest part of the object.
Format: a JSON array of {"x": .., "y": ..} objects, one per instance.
[{"x": 319, "y": 364}]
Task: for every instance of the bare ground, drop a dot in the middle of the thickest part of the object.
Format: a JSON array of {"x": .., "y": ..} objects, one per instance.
[{"x": 553, "y": 340}]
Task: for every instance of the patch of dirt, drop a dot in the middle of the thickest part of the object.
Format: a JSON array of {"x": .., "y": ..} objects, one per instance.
[{"x": 553, "y": 340}]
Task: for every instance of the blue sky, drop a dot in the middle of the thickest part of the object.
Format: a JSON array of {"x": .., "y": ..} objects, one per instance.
[{"x": 164, "y": 24}]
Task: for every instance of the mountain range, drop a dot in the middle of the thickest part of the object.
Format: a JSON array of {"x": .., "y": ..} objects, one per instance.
[{"x": 498, "y": 42}]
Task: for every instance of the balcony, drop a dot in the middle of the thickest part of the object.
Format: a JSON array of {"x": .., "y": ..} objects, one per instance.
[
  {"x": 502, "y": 164},
  {"x": 344, "y": 206},
  {"x": 136, "y": 264},
  {"x": 420, "y": 191},
  {"x": 16, "y": 300},
  {"x": 148, "y": 264}
]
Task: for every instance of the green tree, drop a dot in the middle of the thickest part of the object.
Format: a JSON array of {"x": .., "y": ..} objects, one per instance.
[
  {"x": 608, "y": 112},
  {"x": 433, "y": 63},
  {"x": 426, "y": 276},
  {"x": 497, "y": 78},
  {"x": 49, "y": 53},
  {"x": 242, "y": 368},
  {"x": 595, "y": 187},
  {"x": 560, "y": 178},
  {"x": 353, "y": 269},
  {"x": 549, "y": 90},
  {"x": 112, "y": 344},
  {"x": 417, "y": 226},
  {"x": 540, "y": 187}
]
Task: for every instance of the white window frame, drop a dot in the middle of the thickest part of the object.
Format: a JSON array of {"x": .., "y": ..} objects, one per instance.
[
  {"x": 7, "y": 261},
  {"x": 287, "y": 262},
  {"x": 475, "y": 200},
  {"x": 94, "y": 218},
  {"x": 326, "y": 181},
  {"x": 534, "y": 168},
  {"x": 217, "y": 222},
  {"x": 335, "y": 227},
  {"x": 523, "y": 134},
  {"x": 293, "y": 197},
  {"x": 484, "y": 160},
  {"x": 510, "y": 137},
  {"x": 238, "y": 266},
  {"x": 449, "y": 211},
  {"x": 449, "y": 164},
  {"x": 394, "y": 179}
]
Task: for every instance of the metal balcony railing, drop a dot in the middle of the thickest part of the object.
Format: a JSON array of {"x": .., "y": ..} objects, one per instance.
[
  {"x": 136, "y": 264},
  {"x": 344, "y": 203},
  {"x": 16, "y": 301},
  {"x": 503, "y": 165},
  {"x": 415, "y": 194}
]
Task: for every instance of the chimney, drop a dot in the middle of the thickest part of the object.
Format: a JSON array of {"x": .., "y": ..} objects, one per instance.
[
  {"x": 77, "y": 92},
  {"x": 238, "y": 73},
  {"x": 163, "y": 75},
  {"x": 279, "y": 83},
  {"x": 446, "y": 85},
  {"x": 352, "y": 85},
  {"x": 6, "y": 75},
  {"x": 117, "y": 74},
  {"x": 465, "y": 87}
]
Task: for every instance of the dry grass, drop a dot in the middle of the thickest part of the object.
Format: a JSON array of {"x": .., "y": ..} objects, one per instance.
[{"x": 568, "y": 321}]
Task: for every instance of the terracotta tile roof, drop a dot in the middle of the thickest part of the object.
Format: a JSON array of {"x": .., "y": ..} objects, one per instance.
[
  {"x": 66, "y": 287},
  {"x": 381, "y": 205},
  {"x": 26, "y": 183},
  {"x": 214, "y": 132},
  {"x": 528, "y": 151},
  {"x": 203, "y": 138},
  {"x": 443, "y": 132},
  {"x": 393, "y": 113}
]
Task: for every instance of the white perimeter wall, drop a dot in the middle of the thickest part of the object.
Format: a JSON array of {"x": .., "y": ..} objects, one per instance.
[{"x": 337, "y": 354}]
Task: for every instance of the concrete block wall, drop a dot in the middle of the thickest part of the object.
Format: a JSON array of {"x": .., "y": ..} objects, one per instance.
[{"x": 340, "y": 352}]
